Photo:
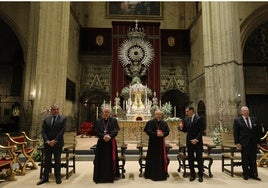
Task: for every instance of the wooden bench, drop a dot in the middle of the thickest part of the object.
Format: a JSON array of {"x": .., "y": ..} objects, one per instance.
[
  {"x": 7, "y": 159},
  {"x": 184, "y": 160},
  {"x": 67, "y": 156},
  {"x": 231, "y": 156},
  {"x": 25, "y": 147}
]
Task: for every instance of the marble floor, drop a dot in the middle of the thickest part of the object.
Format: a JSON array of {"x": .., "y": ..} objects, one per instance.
[
  {"x": 83, "y": 178},
  {"x": 84, "y": 174}
]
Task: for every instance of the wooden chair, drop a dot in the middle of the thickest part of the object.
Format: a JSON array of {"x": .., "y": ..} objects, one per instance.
[
  {"x": 142, "y": 146},
  {"x": 68, "y": 157},
  {"x": 25, "y": 147},
  {"x": 183, "y": 157},
  {"x": 231, "y": 156},
  {"x": 263, "y": 161},
  {"x": 7, "y": 159},
  {"x": 122, "y": 147}
]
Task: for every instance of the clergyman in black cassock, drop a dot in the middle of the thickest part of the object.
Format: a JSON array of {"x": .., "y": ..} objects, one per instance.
[
  {"x": 156, "y": 159},
  {"x": 106, "y": 167}
]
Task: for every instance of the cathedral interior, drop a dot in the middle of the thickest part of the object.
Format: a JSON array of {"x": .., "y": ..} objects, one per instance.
[{"x": 133, "y": 56}]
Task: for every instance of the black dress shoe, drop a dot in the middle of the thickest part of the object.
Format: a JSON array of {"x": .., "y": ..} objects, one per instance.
[
  {"x": 58, "y": 181},
  {"x": 42, "y": 181},
  {"x": 192, "y": 178},
  {"x": 200, "y": 179},
  {"x": 256, "y": 178},
  {"x": 245, "y": 177}
]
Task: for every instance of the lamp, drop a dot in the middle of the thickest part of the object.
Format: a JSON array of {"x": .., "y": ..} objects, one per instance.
[
  {"x": 32, "y": 96},
  {"x": 238, "y": 99}
]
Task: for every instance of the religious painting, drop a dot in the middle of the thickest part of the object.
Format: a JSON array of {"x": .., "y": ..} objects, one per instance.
[{"x": 134, "y": 9}]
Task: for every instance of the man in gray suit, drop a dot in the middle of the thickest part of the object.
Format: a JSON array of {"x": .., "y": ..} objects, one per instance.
[
  {"x": 53, "y": 129},
  {"x": 247, "y": 138}
]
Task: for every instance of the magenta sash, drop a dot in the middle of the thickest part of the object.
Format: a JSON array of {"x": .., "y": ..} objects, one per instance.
[
  {"x": 114, "y": 154},
  {"x": 165, "y": 155}
]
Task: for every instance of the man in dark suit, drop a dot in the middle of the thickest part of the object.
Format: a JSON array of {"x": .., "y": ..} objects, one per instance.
[
  {"x": 247, "y": 138},
  {"x": 53, "y": 129},
  {"x": 194, "y": 127}
]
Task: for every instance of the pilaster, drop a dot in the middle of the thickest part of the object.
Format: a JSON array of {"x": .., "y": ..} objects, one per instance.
[
  {"x": 46, "y": 58},
  {"x": 224, "y": 80}
]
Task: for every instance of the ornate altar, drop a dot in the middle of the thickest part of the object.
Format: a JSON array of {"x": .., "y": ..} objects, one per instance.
[{"x": 133, "y": 131}]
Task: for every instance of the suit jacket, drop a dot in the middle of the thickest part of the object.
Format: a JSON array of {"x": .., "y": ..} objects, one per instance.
[
  {"x": 243, "y": 134},
  {"x": 56, "y": 131},
  {"x": 195, "y": 129}
]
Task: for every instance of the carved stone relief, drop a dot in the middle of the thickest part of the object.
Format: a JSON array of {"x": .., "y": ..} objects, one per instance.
[
  {"x": 96, "y": 76},
  {"x": 174, "y": 76}
]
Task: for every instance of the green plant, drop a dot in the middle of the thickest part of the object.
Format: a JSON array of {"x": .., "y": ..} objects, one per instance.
[
  {"x": 216, "y": 134},
  {"x": 166, "y": 110}
]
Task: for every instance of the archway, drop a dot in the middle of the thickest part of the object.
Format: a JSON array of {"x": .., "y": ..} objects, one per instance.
[
  {"x": 177, "y": 99},
  {"x": 11, "y": 76},
  {"x": 91, "y": 101},
  {"x": 201, "y": 111},
  {"x": 255, "y": 62}
]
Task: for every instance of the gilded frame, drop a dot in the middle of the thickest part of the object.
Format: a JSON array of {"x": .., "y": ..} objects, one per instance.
[{"x": 134, "y": 10}]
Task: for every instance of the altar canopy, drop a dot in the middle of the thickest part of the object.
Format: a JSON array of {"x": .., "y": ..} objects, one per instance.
[{"x": 120, "y": 79}]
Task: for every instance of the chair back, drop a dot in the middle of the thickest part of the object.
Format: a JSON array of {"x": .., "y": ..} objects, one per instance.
[
  {"x": 226, "y": 139},
  {"x": 120, "y": 137},
  {"x": 182, "y": 138},
  {"x": 70, "y": 138}
]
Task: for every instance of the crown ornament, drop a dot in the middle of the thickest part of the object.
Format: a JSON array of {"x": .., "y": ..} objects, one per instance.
[{"x": 137, "y": 32}]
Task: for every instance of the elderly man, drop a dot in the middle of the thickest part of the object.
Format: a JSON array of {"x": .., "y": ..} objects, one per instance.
[
  {"x": 156, "y": 160},
  {"x": 106, "y": 167},
  {"x": 247, "y": 138}
]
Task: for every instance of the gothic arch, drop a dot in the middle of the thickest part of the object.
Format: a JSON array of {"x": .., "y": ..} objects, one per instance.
[
  {"x": 253, "y": 21},
  {"x": 13, "y": 26},
  {"x": 90, "y": 100},
  {"x": 201, "y": 111},
  {"x": 177, "y": 99}
]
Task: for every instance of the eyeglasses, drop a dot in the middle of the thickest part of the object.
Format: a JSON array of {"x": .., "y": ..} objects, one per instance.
[{"x": 55, "y": 109}]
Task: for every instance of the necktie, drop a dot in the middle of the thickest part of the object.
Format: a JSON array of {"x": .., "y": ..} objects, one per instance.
[
  {"x": 53, "y": 121},
  {"x": 248, "y": 122}
]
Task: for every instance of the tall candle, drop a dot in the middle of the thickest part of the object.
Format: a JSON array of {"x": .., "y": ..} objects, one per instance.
[
  {"x": 97, "y": 112},
  {"x": 174, "y": 111},
  {"x": 160, "y": 104}
]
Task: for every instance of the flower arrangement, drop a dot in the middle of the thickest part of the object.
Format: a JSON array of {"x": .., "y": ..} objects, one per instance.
[
  {"x": 166, "y": 110},
  {"x": 216, "y": 134}
]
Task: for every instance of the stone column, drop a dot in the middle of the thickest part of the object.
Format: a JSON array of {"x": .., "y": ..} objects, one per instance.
[
  {"x": 224, "y": 79},
  {"x": 46, "y": 64}
]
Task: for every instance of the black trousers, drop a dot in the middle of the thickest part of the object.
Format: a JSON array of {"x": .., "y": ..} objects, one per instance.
[
  {"x": 248, "y": 154},
  {"x": 56, "y": 152},
  {"x": 195, "y": 152}
]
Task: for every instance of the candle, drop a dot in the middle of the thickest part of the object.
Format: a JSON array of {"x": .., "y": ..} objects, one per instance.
[
  {"x": 160, "y": 104},
  {"x": 97, "y": 112},
  {"x": 175, "y": 111}
]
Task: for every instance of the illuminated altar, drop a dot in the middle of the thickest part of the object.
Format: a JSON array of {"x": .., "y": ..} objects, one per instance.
[{"x": 133, "y": 131}]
